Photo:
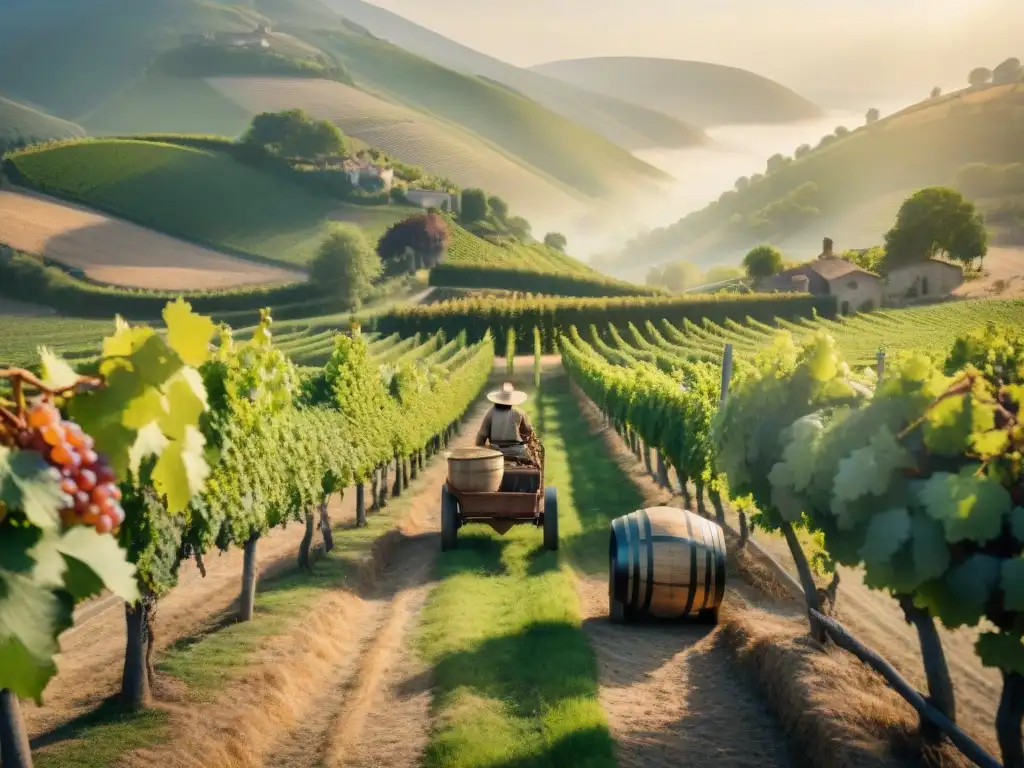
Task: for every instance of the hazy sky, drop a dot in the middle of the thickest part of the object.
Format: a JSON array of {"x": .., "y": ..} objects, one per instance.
[{"x": 872, "y": 46}]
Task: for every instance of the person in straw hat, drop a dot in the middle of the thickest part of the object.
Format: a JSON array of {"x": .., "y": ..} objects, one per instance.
[{"x": 506, "y": 427}]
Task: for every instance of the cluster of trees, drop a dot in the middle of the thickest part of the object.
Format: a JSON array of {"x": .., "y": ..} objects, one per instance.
[
  {"x": 295, "y": 135},
  {"x": 936, "y": 221},
  {"x": 786, "y": 214},
  {"x": 489, "y": 214},
  {"x": 679, "y": 275},
  {"x": 984, "y": 180},
  {"x": 763, "y": 261},
  {"x": 211, "y": 60},
  {"x": 417, "y": 242},
  {"x": 1009, "y": 71}
]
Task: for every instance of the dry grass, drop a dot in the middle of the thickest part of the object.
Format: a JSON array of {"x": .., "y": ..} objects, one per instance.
[{"x": 112, "y": 251}]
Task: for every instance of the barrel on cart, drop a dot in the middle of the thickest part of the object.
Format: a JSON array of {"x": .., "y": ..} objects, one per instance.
[
  {"x": 483, "y": 488},
  {"x": 665, "y": 563}
]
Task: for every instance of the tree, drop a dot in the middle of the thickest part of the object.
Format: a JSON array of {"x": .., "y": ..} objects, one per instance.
[
  {"x": 271, "y": 129},
  {"x": 979, "y": 76},
  {"x": 556, "y": 240},
  {"x": 417, "y": 242},
  {"x": 680, "y": 275},
  {"x": 345, "y": 266},
  {"x": 498, "y": 207},
  {"x": 872, "y": 116},
  {"x": 841, "y": 131},
  {"x": 936, "y": 92},
  {"x": 474, "y": 205},
  {"x": 802, "y": 151},
  {"x": 519, "y": 227},
  {"x": 655, "y": 276},
  {"x": 313, "y": 140},
  {"x": 741, "y": 183},
  {"x": 1010, "y": 71},
  {"x": 762, "y": 261},
  {"x": 933, "y": 221},
  {"x": 776, "y": 161}
]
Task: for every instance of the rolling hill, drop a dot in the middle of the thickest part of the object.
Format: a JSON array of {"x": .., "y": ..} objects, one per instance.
[
  {"x": 415, "y": 137},
  {"x": 846, "y": 181},
  {"x": 69, "y": 57},
  {"x": 202, "y": 196},
  {"x": 627, "y": 124},
  {"x": 698, "y": 92},
  {"x": 20, "y": 122}
]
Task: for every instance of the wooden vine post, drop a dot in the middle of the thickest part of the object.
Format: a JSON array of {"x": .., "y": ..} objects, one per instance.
[
  {"x": 360, "y": 504},
  {"x": 723, "y": 395},
  {"x": 14, "y": 744},
  {"x": 247, "y": 602}
]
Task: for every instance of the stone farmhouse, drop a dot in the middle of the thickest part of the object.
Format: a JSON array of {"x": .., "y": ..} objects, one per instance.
[
  {"x": 855, "y": 289},
  {"x": 361, "y": 171},
  {"x": 432, "y": 198},
  {"x": 258, "y": 38},
  {"x": 920, "y": 282}
]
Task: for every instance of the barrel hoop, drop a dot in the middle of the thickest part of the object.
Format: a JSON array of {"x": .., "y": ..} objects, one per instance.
[
  {"x": 621, "y": 561},
  {"x": 707, "y": 570},
  {"x": 634, "y": 558},
  {"x": 650, "y": 563},
  {"x": 720, "y": 567},
  {"x": 692, "y": 587}
]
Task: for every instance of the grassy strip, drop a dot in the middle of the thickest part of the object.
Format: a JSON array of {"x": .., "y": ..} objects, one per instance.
[
  {"x": 208, "y": 663},
  {"x": 515, "y": 679}
]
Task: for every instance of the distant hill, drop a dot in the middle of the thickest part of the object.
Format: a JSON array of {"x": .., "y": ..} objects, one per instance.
[
  {"x": 848, "y": 184},
  {"x": 69, "y": 57},
  {"x": 700, "y": 93},
  {"x": 18, "y": 122},
  {"x": 628, "y": 124}
]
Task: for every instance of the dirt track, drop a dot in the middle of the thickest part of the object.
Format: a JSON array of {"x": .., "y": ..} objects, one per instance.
[
  {"x": 112, "y": 251},
  {"x": 1004, "y": 267}
]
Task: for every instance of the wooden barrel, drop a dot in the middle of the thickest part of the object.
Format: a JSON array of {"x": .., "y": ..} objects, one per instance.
[
  {"x": 475, "y": 470},
  {"x": 667, "y": 563}
]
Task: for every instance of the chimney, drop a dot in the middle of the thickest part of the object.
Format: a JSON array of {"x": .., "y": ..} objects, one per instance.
[{"x": 826, "y": 248}]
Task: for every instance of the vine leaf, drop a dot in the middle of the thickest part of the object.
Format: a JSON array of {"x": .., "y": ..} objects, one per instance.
[
  {"x": 885, "y": 535},
  {"x": 1002, "y": 650},
  {"x": 188, "y": 333},
  {"x": 28, "y": 483},
  {"x": 31, "y": 618},
  {"x": 181, "y": 470},
  {"x": 968, "y": 506},
  {"x": 56, "y": 373},
  {"x": 1012, "y": 582}
]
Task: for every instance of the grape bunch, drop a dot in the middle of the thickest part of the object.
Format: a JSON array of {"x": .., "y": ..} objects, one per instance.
[{"x": 91, "y": 495}]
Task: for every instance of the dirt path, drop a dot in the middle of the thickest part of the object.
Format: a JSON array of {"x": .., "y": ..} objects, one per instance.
[
  {"x": 673, "y": 693},
  {"x": 1004, "y": 278},
  {"x": 113, "y": 251}
]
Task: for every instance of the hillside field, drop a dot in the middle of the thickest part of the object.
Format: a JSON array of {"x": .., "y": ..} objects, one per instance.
[
  {"x": 109, "y": 250},
  {"x": 18, "y": 121},
  {"x": 851, "y": 181},
  {"x": 700, "y": 93},
  {"x": 201, "y": 196}
]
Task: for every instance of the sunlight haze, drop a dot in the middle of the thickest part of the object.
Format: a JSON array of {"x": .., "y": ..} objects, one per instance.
[{"x": 873, "y": 48}]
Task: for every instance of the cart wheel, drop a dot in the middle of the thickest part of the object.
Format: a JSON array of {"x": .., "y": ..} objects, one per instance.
[
  {"x": 709, "y": 616},
  {"x": 617, "y": 612},
  {"x": 551, "y": 519},
  {"x": 449, "y": 520}
]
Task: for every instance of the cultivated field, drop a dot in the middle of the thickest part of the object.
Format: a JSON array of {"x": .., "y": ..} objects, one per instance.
[
  {"x": 441, "y": 148},
  {"x": 203, "y": 196},
  {"x": 113, "y": 251},
  {"x": 19, "y": 121}
]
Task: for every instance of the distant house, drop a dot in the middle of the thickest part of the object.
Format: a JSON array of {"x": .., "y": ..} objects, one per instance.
[
  {"x": 362, "y": 171},
  {"x": 926, "y": 280},
  {"x": 433, "y": 198},
  {"x": 258, "y": 38},
  {"x": 828, "y": 275}
]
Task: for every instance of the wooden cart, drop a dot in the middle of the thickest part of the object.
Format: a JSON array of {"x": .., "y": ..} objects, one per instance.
[{"x": 521, "y": 498}]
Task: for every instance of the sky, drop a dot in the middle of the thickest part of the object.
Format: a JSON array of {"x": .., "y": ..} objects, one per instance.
[{"x": 885, "y": 48}]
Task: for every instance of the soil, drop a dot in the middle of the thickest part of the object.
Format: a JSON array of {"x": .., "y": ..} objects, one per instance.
[
  {"x": 113, "y": 251},
  {"x": 1004, "y": 275},
  {"x": 673, "y": 693}
]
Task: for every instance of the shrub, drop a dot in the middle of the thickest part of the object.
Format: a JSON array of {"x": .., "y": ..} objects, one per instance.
[{"x": 345, "y": 266}]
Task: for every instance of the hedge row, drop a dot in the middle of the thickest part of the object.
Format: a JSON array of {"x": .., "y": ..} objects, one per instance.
[
  {"x": 555, "y": 315},
  {"x": 581, "y": 286}
]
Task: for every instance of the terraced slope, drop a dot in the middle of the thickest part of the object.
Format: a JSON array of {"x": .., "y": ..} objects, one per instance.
[
  {"x": 18, "y": 121},
  {"x": 202, "y": 196},
  {"x": 701, "y": 93},
  {"x": 628, "y": 124},
  {"x": 415, "y": 137}
]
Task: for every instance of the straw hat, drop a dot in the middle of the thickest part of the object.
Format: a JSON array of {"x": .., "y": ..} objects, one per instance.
[{"x": 507, "y": 395}]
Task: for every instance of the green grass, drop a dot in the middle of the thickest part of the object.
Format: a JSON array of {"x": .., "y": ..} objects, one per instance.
[
  {"x": 163, "y": 104},
  {"x": 199, "y": 195},
  {"x": 515, "y": 679},
  {"x": 20, "y": 122},
  {"x": 20, "y": 337}
]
